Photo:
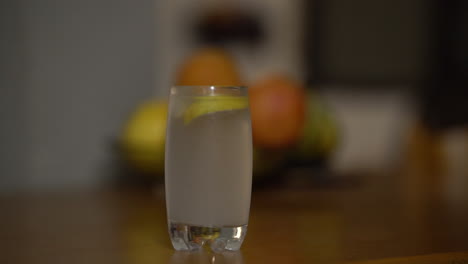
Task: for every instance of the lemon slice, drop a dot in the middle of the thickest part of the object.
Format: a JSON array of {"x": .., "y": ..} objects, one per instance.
[{"x": 210, "y": 104}]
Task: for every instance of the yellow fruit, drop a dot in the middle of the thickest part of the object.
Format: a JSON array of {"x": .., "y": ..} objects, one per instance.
[
  {"x": 144, "y": 136},
  {"x": 210, "y": 104},
  {"x": 209, "y": 66}
]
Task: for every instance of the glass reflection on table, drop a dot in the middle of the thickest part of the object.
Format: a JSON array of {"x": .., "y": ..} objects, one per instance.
[{"x": 200, "y": 257}]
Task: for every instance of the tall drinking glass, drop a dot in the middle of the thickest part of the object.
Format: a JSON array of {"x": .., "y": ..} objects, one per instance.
[{"x": 208, "y": 167}]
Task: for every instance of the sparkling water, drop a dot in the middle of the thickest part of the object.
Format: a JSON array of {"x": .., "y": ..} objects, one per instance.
[{"x": 208, "y": 179}]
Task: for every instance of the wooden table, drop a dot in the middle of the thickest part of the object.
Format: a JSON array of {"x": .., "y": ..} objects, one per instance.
[{"x": 375, "y": 220}]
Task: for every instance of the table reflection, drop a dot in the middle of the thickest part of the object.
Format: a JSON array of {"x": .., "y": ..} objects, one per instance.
[{"x": 201, "y": 257}]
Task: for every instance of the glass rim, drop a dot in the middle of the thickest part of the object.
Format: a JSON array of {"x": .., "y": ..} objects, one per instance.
[
  {"x": 209, "y": 86},
  {"x": 209, "y": 90}
]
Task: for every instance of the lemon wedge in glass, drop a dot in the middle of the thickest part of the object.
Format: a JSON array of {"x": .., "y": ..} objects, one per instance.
[{"x": 203, "y": 105}]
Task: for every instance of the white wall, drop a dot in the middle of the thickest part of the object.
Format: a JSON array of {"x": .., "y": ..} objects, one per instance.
[
  {"x": 72, "y": 70},
  {"x": 373, "y": 126}
]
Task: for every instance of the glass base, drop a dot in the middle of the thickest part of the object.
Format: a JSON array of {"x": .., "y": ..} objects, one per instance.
[{"x": 191, "y": 237}]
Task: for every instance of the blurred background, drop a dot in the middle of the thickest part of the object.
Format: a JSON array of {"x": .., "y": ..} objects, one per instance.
[{"x": 367, "y": 87}]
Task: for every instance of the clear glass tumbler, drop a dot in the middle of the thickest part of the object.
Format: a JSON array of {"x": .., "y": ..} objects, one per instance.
[{"x": 208, "y": 167}]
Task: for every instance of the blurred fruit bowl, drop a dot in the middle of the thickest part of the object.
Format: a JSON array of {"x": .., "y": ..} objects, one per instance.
[
  {"x": 142, "y": 143},
  {"x": 290, "y": 126}
]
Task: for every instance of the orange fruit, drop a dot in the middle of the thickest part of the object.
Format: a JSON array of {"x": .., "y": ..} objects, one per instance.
[{"x": 209, "y": 66}]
